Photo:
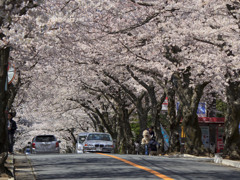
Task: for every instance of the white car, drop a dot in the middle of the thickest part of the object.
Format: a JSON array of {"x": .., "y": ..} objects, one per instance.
[
  {"x": 80, "y": 140},
  {"x": 45, "y": 144},
  {"x": 98, "y": 142}
]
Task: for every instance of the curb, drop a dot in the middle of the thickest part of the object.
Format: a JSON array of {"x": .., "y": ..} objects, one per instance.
[
  {"x": 202, "y": 158},
  {"x": 219, "y": 160},
  {"x": 216, "y": 159},
  {"x": 23, "y": 168},
  {"x": 10, "y": 165}
]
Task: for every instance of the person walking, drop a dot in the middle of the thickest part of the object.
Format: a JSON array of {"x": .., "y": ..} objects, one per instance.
[
  {"x": 151, "y": 132},
  {"x": 153, "y": 147},
  {"x": 12, "y": 126},
  {"x": 145, "y": 141}
]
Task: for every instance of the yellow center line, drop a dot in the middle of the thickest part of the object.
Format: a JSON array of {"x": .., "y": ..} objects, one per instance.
[{"x": 140, "y": 167}]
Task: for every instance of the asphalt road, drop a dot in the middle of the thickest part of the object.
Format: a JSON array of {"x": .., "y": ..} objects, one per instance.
[{"x": 139, "y": 167}]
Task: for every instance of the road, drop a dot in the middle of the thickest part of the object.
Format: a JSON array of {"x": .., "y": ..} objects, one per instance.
[{"x": 115, "y": 166}]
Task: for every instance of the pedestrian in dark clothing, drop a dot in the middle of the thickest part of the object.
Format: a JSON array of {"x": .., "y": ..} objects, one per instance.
[
  {"x": 153, "y": 146},
  {"x": 151, "y": 132},
  {"x": 12, "y": 126}
]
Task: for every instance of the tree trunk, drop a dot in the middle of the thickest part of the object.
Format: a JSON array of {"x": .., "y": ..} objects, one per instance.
[
  {"x": 232, "y": 137},
  {"x": 142, "y": 106},
  {"x": 193, "y": 133},
  {"x": 189, "y": 98},
  {"x": 142, "y": 111},
  {"x": 4, "y": 54},
  {"x": 128, "y": 143},
  {"x": 156, "y": 108},
  {"x": 174, "y": 143},
  {"x": 97, "y": 126}
]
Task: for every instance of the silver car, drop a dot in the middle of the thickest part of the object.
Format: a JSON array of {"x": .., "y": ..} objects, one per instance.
[
  {"x": 98, "y": 142},
  {"x": 80, "y": 142},
  {"x": 45, "y": 144}
]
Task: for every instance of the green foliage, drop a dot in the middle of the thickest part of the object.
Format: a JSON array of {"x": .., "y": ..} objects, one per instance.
[
  {"x": 221, "y": 108},
  {"x": 135, "y": 127}
]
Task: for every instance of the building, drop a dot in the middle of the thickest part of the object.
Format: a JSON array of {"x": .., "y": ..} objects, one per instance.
[{"x": 212, "y": 132}]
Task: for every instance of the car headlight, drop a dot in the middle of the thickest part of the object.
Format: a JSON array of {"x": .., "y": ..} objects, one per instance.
[{"x": 109, "y": 146}]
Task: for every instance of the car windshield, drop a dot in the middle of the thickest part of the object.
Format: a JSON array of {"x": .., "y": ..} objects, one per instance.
[
  {"x": 82, "y": 139},
  {"x": 103, "y": 137},
  {"x": 45, "y": 138}
]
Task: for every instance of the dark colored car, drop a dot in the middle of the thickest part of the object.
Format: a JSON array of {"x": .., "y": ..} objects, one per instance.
[{"x": 45, "y": 144}]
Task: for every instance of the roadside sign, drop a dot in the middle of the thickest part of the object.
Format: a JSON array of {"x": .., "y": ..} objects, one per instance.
[
  {"x": 166, "y": 138},
  {"x": 165, "y": 105},
  {"x": 201, "y": 111},
  {"x": 11, "y": 73},
  {"x": 205, "y": 135},
  {"x": 183, "y": 135}
]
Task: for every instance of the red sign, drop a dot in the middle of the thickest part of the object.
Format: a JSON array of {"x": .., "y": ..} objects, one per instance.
[
  {"x": 220, "y": 140},
  {"x": 211, "y": 120}
]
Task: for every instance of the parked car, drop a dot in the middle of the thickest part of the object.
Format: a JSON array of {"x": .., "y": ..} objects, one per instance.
[
  {"x": 98, "y": 142},
  {"x": 45, "y": 144},
  {"x": 80, "y": 142}
]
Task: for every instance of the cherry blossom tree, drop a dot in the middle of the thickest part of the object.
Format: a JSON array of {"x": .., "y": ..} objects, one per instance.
[
  {"x": 189, "y": 44},
  {"x": 110, "y": 107},
  {"x": 185, "y": 46},
  {"x": 227, "y": 41},
  {"x": 141, "y": 40},
  {"x": 8, "y": 10}
]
